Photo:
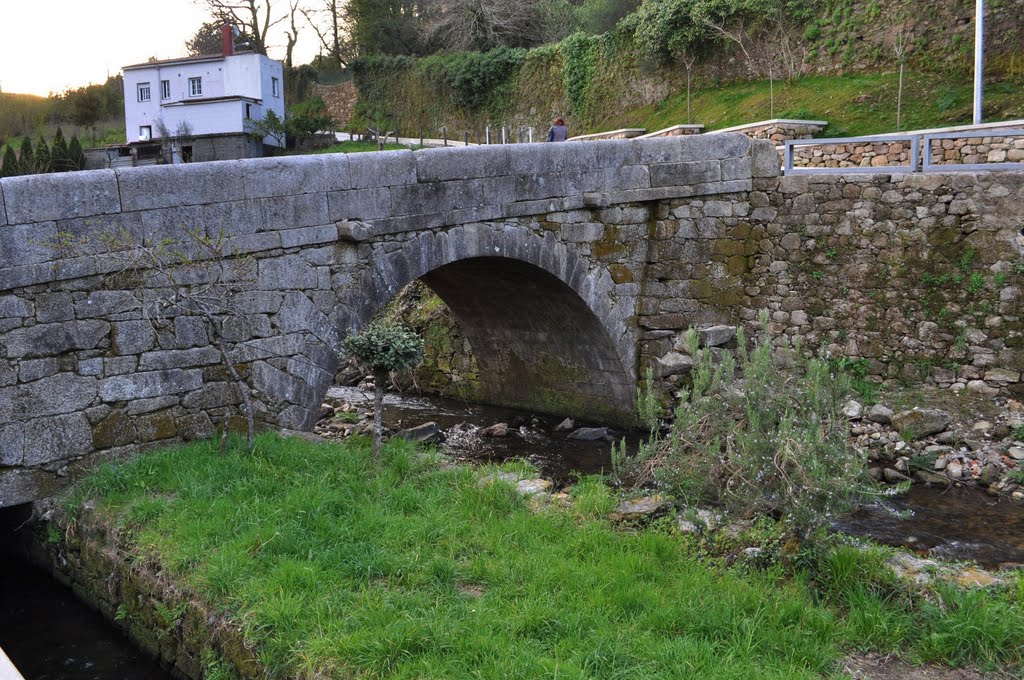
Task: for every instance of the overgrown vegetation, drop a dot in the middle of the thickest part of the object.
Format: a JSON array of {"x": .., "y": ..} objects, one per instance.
[
  {"x": 755, "y": 439},
  {"x": 58, "y": 155},
  {"x": 334, "y": 562},
  {"x": 628, "y": 76}
]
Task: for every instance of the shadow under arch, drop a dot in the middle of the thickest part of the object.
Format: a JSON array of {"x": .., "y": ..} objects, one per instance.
[{"x": 547, "y": 331}]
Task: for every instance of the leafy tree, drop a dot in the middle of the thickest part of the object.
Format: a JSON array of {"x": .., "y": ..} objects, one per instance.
[
  {"x": 255, "y": 18},
  {"x": 384, "y": 347},
  {"x": 307, "y": 118},
  {"x": 10, "y": 168},
  {"x": 386, "y": 26},
  {"x": 207, "y": 39},
  {"x": 270, "y": 125}
]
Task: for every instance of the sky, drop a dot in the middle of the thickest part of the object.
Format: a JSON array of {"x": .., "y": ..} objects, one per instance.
[{"x": 50, "y": 45}]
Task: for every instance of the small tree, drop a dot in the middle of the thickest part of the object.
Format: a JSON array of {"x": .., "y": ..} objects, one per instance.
[
  {"x": 384, "y": 347},
  {"x": 76, "y": 155},
  {"x": 899, "y": 24},
  {"x": 43, "y": 162},
  {"x": 10, "y": 168},
  {"x": 27, "y": 157},
  {"x": 59, "y": 157},
  {"x": 270, "y": 126}
]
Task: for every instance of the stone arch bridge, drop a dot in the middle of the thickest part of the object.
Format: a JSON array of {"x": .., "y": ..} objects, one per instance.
[{"x": 570, "y": 268}]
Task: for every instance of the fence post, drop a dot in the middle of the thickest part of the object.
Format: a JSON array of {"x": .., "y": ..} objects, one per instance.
[
  {"x": 444, "y": 131},
  {"x": 531, "y": 134},
  {"x": 467, "y": 138},
  {"x": 421, "y": 136},
  {"x": 487, "y": 134},
  {"x": 503, "y": 135}
]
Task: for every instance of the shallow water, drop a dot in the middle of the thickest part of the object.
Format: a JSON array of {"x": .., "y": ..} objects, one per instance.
[
  {"x": 957, "y": 524},
  {"x": 51, "y": 635}
]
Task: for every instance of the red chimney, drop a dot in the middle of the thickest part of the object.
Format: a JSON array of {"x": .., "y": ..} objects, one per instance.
[{"x": 227, "y": 40}]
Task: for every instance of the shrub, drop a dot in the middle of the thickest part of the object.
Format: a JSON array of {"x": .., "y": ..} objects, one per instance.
[
  {"x": 771, "y": 442},
  {"x": 384, "y": 347}
]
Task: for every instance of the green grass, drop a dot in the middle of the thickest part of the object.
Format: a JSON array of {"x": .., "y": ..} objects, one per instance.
[
  {"x": 337, "y": 565},
  {"x": 358, "y": 147},
  {"x": 852, "y": 104}
]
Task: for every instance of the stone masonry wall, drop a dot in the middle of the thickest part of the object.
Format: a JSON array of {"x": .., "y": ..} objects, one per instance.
[
  {"x": 570, "y": 269},
  {"x": 84, "y": 371},
  {"x": 916, "y": 277}
]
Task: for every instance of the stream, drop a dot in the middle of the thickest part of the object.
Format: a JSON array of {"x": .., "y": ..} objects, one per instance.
[{"x": 954, "y": 524}]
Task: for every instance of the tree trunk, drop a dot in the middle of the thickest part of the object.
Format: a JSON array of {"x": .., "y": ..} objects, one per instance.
[
  {"x": 688, "y": 120},
  {"x": 379, "y": 377},
  {"x": 899, "y": 101}
]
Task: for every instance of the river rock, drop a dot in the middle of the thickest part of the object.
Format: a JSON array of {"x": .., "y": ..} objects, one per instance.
[
  {"x": 928, "y": 477},
  {"x": 565, "y": 426},
  {"x": 989, "y": 474},
  {"x": 591, "y": 434},
  {"x": 1016, "y": 452},
  {"x": 920, "y": 422},
  {"x": 981, "y": 426},
  {"x": 894, "y": 477},
  {"x": 853, "y": 410},
  {"x": 955, "y": 470},
  {"x": 640, "y": 508},
  {"x": 880, "y": 414},
  {"x": 427, "y": 433},
  {"x": 705, "y": 521},
  {"x": 497, "y": 430},
  {"x": 947, "y": 437},
  {"x": 499, "y": 476},
  {"x": 533, "y": 487},
  {"x": 1001, "y": 431}
]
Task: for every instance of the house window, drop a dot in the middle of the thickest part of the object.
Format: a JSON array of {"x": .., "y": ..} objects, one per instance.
[
  {"x": 145, "y": 133},
  {"x": 275, "y": 87},
  {"x": 195, "y": 87},
  {"x": 165, "y": 89},
  {"x": 143, "y": 92}
]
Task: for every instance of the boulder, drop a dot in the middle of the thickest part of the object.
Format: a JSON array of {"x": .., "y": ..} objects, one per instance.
[
  {"x": 928, "y": 477},
  {"x": 591, "y": 434},
  {"x": 852, "y": 410},
  {"x": 640, "y": 508},
  {"x": 1016, "y": 452},
  {"x": 880, "y": 414},
  {"x": 497, "y": 430},
  {"x": 565, "y": 426},
  {"x": 894, "y": 477},
  {"x": 427, "y": 433},
  {"x": 533, "y": 487},
  {"x": 920, "y": 422},
  {"x": 989, "y": 475}
]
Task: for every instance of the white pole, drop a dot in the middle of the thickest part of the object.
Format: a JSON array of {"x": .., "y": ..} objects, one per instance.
[{"x": 979, "y": 58}]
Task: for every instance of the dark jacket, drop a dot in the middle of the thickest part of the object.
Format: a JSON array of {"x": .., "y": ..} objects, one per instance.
[{"x": 558, "y": 133}]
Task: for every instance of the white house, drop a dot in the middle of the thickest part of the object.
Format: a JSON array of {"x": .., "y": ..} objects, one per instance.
[{"x": 213, "y": 97}]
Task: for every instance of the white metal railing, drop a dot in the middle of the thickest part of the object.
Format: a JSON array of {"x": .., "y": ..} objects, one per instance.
[
  {"x": 914, "y": 158},
  {"x": 1000, "y": 166}
]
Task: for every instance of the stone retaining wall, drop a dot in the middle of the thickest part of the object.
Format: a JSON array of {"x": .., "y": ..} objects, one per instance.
[
  {"x": 778, "y": 131},
  {"x": 569, "y": 267},
  {"x": 864, "y": 154},
  {"x": 975, "y": 150}
]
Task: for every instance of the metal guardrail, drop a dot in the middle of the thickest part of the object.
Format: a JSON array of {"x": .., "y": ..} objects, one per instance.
[
  {"x": 926, "y": 152},
  {"x": 912, "y": 166}
]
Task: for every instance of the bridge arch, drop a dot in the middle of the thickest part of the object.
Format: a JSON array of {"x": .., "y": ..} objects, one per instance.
[{"x": 546, "y": 326}]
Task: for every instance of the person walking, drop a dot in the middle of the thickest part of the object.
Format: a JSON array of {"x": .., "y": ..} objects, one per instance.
[{"x": 558, "y": 132}]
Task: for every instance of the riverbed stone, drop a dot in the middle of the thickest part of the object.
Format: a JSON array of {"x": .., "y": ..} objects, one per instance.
[
  {"x": 533, "y": 487},
  {"x": 919, "y": 423},
  {"x": 640, "y": 508},
  {"x": 427, "y": 433},
  {"x": 590, "y": 434},
  {"x": 879, "y": 413}
]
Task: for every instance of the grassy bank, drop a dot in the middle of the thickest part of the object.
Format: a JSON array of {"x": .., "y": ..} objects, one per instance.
[
  {"x": 852, "y": 104},
  {"x": 337, "y": 565}
]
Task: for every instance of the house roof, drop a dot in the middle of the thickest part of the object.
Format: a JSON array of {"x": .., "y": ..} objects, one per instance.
[
  {"x": 207, "y": 100},
  {"x": 182, "y": 60}
]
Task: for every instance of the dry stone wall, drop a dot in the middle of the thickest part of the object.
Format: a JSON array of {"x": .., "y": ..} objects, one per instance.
[{"x": 570, "y": 268}]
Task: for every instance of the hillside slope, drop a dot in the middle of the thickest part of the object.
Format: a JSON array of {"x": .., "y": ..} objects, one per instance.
[{"x": 614, "y": 80}]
